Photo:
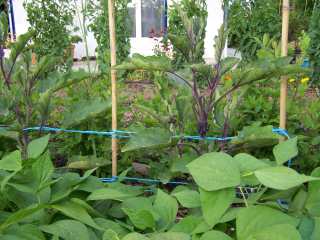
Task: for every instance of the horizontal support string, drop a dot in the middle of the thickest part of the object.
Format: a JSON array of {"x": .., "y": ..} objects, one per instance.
[{"x": 127, "y": 134}]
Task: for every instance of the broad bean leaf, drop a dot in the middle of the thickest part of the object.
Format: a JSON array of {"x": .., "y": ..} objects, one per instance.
[
  {"x": 111, "y": 194},
  {"x": 281, "y": 178},
  {"x": 187, "y": 224},
  {"x": 169, "y": 236},
  {"x": 247, "y": 165},
  {"x": 135, "y": 236},
  {"x": 276, "y": 232},
  {"x": 188, "y": 198},
  {"x": 114, "y": 226},
  {"x": 77, "y": 212},
  {"x": 256, "y": 136},
  {"x": 11, "y": 162},
  {"x": 313, "y": 199},
  {"x": 140, "y": 203},
  {"x": 167, "y": 208},
  {"x": 214, "y": 171},
  {"x": 67, "y": 230},
  {"x": 316, "y": 231},
  {"x": 148, "y": 138},
  {"x": 110, "y": 235},
  {"x": 38, "y": 146},
  {"x": 23, "y": 232},
  {"x": 254, "y": 219},
  {"x": 215, "y": 203},
  {"x": 20, "y": 215},
  {"x": 141, "y": 219},
  {"x": 215, "y": 235},
  {"x": 42, "y": 170},
  {"x": 306, "y": 227},
  {"x": 286, "y": 150},
  {"x": 85, "y": 110}
]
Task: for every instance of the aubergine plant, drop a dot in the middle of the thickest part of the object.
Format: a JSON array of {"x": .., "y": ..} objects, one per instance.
[
  {"x": 209, "y": 84},
  {"x": 26, "y": 88}
]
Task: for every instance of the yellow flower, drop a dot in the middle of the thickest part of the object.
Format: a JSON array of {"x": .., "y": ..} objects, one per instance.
[
  {"x": 305, "y": 80},
  {"x": 292, "y": 80},
  {"x": 228, "y": 77}
]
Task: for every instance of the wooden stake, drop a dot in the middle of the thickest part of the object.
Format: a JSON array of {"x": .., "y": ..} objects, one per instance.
[
  {"x": 112, "y": 33},
  {"x": 284, "y": 52}
]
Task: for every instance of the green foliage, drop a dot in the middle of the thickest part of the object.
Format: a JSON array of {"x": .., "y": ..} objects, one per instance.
[
  {"x": 28, "y": 90},
  {"x": 226, "y": 172},
  {"x": 68, "y": 205},
  {"x": 207, "y": 96},
  {"x": 186, "y": 31},
  {"x": 51, "y": 21},
  {"x": 249, "y": 20},
  {"x": 97, "y": 13},
  {"x": 314, "y": 50}
]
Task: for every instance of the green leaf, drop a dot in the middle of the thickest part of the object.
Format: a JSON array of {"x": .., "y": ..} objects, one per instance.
[
  {"x": 277, "y": 232},
  {"x": 111, "y": 194},
  {"x": 85, "y": 110},
  {"x": 141, "y": 219},
  {"x": 110, "y": 235},
  {"x": 37, "y": 146},
  {"x": 215, "y": 235},
  {"x": 297, "y": 204},
  {"x": 281, "y": 178},
  {"x": 256, "y": 218},
  {"x": 167, "y": 208},
  {"x": 11, "y": 162},
  {"x": 306, "y": 227},
  {"x": 313, "y": 199},
  {"x": 316, "y": 231},
  {"x": 77, "y": 212},
  {"x": 42, "y": 170},
  {"x": 114, "y": 226},
  {"x": 187, "y": 224},
  {"x": 286, "y": 150},
  {"x": 169, "y": 236},
  {"x": 256, "y": 136},
  {"x": 247, "y": 165},
  {"x": 20, "y": 215},
  {"x": 215, "y": 203},
  {"x": 140, "y": 203},
  {"x": 135, "y": 236},
  {"x": 67, "y": 230},
  {"x": 147, "y": 138},
  {"x": 188, "y": 198},
  {"x": 214, "y": 171},
  {"x": 23, "y": 232}
]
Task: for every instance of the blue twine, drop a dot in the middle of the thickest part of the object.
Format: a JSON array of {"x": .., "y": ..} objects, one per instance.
[
  {"x": 127, "y": 134},
  {"x": 141, "y": 180},
  {"x": 113, "y": 133}
]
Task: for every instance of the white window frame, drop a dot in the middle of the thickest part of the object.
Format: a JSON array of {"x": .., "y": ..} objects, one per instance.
[{"x": 137, "y": 4}]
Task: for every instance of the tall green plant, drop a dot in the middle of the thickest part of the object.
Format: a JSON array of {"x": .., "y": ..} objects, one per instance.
[
  {"x": 179, "y": 14},
  {"x": 27, "y": 89},
  {"x": 97, "y": 12},
  {"x": 52, "y": 22},
  {"x": 248, "y": 20},
  {"x": 314, "y": 49},
  {"x": 221, "y": 79}
]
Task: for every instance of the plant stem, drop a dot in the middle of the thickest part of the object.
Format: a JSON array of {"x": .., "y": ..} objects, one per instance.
[{"x": 244, "y": 197}]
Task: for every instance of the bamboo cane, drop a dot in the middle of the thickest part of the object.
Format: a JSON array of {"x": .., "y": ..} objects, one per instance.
[
  {"x": 284, "y": 52},
  {"x": 112, "y": 34}
]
